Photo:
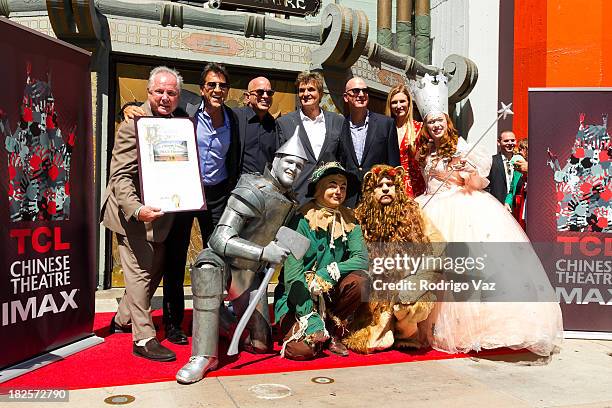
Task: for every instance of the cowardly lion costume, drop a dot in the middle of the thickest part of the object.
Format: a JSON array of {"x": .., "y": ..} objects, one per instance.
[{"x": 393, "y": 223}]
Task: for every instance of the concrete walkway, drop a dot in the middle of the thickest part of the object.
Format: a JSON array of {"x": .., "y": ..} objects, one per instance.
[{"x": 580, "y": 376}]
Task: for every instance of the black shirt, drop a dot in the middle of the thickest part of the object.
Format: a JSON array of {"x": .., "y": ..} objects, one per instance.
[{"x": 260, "y": 142}]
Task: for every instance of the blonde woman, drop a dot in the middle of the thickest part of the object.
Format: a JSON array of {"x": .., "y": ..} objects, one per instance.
[{"x": 399, "y": 107}]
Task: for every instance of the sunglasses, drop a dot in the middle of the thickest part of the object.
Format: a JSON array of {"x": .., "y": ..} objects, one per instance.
[
  {"x": 261, "y": 92},
  {"x": 224, "y": 86},
  {"x": 357, "y": 91}
]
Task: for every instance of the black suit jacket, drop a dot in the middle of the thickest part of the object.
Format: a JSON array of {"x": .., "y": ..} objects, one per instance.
[
  {"x": 329, "y": 151},
  {"x": 497, "y": 179},
  {"x": 244, "y": 114},
  {"x": 381, "y": 147},
  {"x": 190, "y": 103}
]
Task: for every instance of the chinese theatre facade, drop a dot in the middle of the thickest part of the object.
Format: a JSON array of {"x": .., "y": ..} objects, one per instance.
[{"x": 273, "y": 38}]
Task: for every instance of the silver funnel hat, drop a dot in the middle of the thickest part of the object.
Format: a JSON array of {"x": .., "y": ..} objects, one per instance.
[
  {"x": 293, "y": 147},
  {"x": 430, "y": 94}
]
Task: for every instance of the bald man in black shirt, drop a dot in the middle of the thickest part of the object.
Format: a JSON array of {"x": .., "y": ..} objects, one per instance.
[{"x": 257, "y": 127}]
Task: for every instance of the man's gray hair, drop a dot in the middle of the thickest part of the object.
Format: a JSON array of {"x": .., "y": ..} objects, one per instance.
[{"x": 164, "y": 69}]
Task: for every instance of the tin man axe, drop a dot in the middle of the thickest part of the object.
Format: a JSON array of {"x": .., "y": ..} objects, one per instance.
[{"x": 286, "y": 238}]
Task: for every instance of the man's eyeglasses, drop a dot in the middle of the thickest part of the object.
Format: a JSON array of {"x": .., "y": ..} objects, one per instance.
[
  {"x": 357, "y": 91},
  {"x": 261, "y": 92},
  {"x": 224, "y": 86}
]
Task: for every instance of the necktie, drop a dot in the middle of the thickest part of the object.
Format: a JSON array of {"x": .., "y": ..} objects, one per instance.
[{"x": 508, "y": 168}]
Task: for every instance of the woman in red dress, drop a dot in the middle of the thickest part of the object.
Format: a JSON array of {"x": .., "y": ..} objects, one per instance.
[{"x": 399, "y": 107}]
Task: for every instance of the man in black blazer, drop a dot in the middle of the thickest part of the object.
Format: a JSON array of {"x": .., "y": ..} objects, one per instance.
[
  {"x": 318, "y": 129},
  {"x": 219, "y": 153},
  {"x": 502, "y": 170},
  {"x": 257, "y": 128},
  {"x": 368, "y": 137}
]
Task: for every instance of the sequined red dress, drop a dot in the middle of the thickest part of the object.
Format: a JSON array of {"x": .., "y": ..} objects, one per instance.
[{"x": 415, "y": 184}]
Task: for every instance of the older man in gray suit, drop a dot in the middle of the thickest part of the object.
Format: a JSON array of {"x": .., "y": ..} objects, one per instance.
[
  {"x": 141, "y": 229},
  {"x": 318, "y": 130}
]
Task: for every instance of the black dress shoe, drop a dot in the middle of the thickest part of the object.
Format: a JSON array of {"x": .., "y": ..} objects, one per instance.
[
  {"x": 115, "y": 328},
  {"x": 152, "y": 350},
  {"x": 176, "y": 335}
]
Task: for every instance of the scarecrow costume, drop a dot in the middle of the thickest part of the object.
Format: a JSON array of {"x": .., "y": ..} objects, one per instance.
[{"x": 318, "y": 295}]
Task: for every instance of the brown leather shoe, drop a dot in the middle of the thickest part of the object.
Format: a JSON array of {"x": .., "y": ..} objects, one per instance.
[
  {"x": 336, "y": 347},
  {"x": 259, "y": 335},
  {"x": 152, "y": 350},
  {"x": 255, "y": 346}
]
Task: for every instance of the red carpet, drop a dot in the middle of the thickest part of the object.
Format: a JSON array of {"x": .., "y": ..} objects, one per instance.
[{"x": 112, "y": 363}]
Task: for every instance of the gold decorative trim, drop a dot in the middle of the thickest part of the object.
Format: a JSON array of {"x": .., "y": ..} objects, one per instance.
[{"x": 204, "y": 42}]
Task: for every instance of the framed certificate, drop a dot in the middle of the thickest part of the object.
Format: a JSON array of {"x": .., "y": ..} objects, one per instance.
[{"x": 169, "y": 164}]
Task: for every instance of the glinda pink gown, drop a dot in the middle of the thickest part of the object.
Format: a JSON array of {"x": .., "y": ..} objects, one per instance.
[{"x": 476, "y": 218}]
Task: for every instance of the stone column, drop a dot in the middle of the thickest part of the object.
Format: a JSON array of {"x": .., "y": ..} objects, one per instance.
[
  {"x": 403, "y": 27},
  {"x": 383, "y": 23},
  {"x": 422, "y": 31}
]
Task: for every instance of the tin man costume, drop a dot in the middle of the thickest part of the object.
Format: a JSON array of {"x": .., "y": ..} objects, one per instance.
[{"x": 240, "y": 247}]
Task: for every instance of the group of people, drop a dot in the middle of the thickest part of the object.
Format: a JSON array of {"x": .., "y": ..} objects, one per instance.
[{"x": 408, "y": 182}]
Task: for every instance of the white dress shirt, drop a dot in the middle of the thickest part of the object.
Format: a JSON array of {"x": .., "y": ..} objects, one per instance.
[
  {"x": 508, "y": 172},
  {"x": 315, "y": 129}
]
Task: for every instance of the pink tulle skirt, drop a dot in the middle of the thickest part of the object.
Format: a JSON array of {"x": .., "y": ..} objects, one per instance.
[{"x": 475, "y": 218}]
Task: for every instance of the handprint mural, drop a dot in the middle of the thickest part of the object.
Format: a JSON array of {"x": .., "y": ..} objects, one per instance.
[
  {"x": 584, "y": 185},
  {"x": 39, "y": 156}
]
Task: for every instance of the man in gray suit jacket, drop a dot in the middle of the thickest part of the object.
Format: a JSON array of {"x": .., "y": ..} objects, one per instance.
[
  {"x": 141, "y": 229},
  {"x": 318, "y": 129}
]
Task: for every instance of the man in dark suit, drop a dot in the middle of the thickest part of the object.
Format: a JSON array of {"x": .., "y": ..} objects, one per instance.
[
  {"x": 219, "y": 153},
  {"x": 141, "y": 229},
  {"x": 257, "y": 127},
  {"x": 318, "y": 130},
  {"x": 502, "y": 171},
  {"x": 368, "y": 138}
]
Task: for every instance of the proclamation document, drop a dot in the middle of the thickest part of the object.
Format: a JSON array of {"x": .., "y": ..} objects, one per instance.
[{"x": 168, "y": 163}]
